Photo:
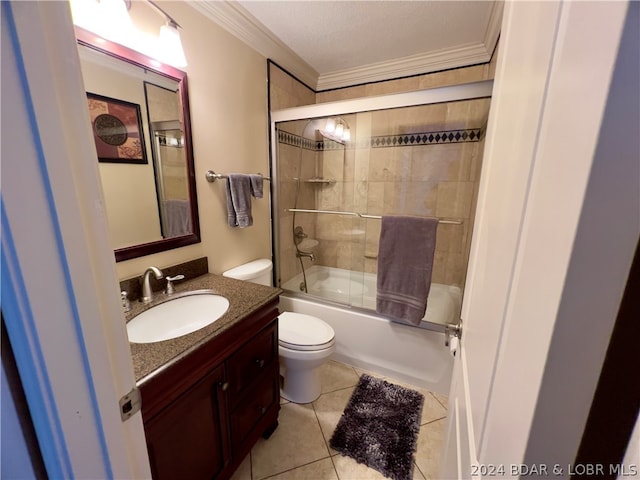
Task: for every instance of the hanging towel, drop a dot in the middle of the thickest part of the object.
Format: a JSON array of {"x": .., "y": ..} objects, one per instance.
[
  {"x": 239, "y": 200},
  {"x": 256, "y": 185},
  {"x": 405, "y": 262},
  {"x": 177, "y": 216}
]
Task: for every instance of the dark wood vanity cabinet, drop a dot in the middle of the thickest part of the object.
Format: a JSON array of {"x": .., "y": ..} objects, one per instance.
[{"x": 203, "y": 414}]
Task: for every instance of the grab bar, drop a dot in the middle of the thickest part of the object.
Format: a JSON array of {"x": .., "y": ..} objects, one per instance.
[{"x": 361, "y": 215}]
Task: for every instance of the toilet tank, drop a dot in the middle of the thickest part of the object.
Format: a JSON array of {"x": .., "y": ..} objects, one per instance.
[{"x": 257, "y": 271}]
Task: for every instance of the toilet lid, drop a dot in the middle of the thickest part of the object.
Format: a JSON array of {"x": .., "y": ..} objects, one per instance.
[{"x": 298, "y": 331}]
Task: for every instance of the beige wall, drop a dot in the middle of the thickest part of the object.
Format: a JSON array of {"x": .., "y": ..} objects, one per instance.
[
  {"x": 128, "y": 189},
  {"x": 227, "y": 92}
]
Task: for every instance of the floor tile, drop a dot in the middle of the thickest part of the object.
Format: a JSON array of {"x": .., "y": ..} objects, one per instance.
[
  {"x": 320, "y": 470},
  {"x": 299, "y": 448},
  {"x": 334, "y": 376},
  {"x": 349, "y": 469},
  {"x": 430, "y": 444},
  {"x": 297, "y": 441},
  {"x": 443, "y": 399},
  {"x": 329, "y": 408},
  {"x": 432, "y": 409}
]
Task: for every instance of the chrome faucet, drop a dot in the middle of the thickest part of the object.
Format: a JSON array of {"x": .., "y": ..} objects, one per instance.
[
  {"x": 310, "y": 255},
  {"x": 147, "y": 292}
]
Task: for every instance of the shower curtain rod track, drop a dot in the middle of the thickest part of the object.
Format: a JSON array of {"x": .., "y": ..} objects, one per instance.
[{"x": 361, "y": 215}]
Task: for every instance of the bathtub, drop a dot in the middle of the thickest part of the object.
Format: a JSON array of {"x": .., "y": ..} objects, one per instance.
[{"x": 365, "y": 339}]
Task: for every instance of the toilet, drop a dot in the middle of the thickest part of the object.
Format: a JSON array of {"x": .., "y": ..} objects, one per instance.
[{"x": 305, "y": 342}]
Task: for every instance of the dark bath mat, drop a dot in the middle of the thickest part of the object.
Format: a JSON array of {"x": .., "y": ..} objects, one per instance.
[{"x": 379, "y": 427}]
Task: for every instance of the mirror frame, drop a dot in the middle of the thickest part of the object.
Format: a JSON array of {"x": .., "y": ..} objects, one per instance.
[{"x": 90, "y": 40}]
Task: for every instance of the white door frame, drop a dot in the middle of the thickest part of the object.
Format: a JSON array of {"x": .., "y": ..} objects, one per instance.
[
  {"x": 60, "y": 295},
  {"x": 535, "y": 334}
]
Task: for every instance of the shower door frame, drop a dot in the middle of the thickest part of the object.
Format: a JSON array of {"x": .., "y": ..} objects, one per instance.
[{"x": 466, "y": 91}]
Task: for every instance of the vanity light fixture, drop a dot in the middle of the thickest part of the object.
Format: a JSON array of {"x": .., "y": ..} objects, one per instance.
[
  {"x": 110, "y": 19},
  {"x": 336, "y": 129},
  {"x": 170, "y": 43}
]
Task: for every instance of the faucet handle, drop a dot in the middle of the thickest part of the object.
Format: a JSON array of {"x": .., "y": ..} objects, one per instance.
[
  {"x": 126, "y": 304},
  {"x": 169, "y": 290}
]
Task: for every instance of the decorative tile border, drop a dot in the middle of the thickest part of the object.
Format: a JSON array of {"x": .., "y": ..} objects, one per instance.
[
  {"x": 297, "y": 141},
  {"x": 427, "y": 138},
  {"x": 385, "y": 141}
]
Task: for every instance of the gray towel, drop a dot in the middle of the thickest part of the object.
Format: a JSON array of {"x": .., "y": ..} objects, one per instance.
[
  {"x": 256, "y": 185},
  {"x": 405, "y": 262},
  {"x": 239, "y": 200},
  {"x": 177, "y": 214}
]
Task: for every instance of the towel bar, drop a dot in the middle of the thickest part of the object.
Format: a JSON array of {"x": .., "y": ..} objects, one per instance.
[
  {"x": 212, "y": 176},
  {"x": 361, "y": 215}
]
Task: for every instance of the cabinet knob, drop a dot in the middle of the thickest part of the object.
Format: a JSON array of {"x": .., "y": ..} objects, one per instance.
[
  {"x": 224, "y": 386},
  {"x": 262, "y": 410},
  {"x": 259, "y": 362}
]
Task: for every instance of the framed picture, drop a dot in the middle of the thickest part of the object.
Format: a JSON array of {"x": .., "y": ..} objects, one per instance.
[{"x": 117, "y": 130}]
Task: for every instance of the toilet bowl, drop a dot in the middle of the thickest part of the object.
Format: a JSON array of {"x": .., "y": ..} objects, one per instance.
[{"x": 305, "y": 342}]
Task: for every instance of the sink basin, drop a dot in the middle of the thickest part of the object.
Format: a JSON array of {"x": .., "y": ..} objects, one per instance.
[{"x": 184, "y": 313}]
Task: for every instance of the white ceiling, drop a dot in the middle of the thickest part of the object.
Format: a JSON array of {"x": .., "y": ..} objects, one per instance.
[{"x": 332, "y": 44}]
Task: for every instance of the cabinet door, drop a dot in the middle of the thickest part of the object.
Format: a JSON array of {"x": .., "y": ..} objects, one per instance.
[
  {"x": 251, "y": 361},
  {"x": 188, "y": 439}
]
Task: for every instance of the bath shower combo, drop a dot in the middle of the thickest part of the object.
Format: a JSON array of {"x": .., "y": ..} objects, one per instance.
[{"x": 413, "y": 154}]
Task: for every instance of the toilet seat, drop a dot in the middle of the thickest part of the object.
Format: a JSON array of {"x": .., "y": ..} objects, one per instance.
[{"x": 297, "y": 331}]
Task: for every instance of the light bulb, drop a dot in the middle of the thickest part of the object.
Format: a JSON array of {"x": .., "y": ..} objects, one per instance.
[
  {"x": 171, "y": 49},
  {"x": 346, "y": 135},
  {"x": 330, "y": 126},
  {"x": 339, "y": 130},
  {"x": 114, "y": 22}
]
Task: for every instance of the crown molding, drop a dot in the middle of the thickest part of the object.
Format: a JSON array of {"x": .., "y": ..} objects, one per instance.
[
  {"x": 493, "y": 27},
  {"x": 240, "y": 23},
  {"x": 406, "y": 66}
]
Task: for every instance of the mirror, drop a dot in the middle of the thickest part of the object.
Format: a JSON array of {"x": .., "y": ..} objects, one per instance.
[{"x": 139, "y": 112}]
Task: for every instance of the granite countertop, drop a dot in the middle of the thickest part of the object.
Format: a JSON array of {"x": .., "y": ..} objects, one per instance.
[{"x": 244, "y": 298}]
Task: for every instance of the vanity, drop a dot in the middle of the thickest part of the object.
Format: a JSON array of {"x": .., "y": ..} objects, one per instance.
[{"x": 208, "y": 396}]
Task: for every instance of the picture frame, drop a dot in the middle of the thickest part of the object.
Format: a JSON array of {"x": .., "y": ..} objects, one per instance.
[{"x": 117, "y": 130}]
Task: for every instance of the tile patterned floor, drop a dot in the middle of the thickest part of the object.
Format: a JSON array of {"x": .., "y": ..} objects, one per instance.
[{"x": 299, "y": 448}]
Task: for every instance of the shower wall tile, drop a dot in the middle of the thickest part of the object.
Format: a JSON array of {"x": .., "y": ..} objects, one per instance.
[
  {"x": 411, "y": 198},
  {"x": 454, "y": 199},
  {"x": 360, "y": 195},
  {"x": 452, "y": 77},
  {"x": 333, "y": 165},
  {"x": 286, "y": 91},
  {"x": 450, "y": 238},
  {"x": 385, "y": 88},
  {"x": 372, "y": 236},
  {"x": 371, "y": 265},
  {"x": 439, "y": 162},
  {"x": 375, "y": 198},
  {"x": 491, "y": 67},
  {"x": 361, "y": 167},
  {"x": 478, "y": 111},
  {"x": 418, "y": 82},
  {"x": 439, "y": 272},
  {"x": 382, "y": 165},
  {"x": 349, "y": 171}
]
